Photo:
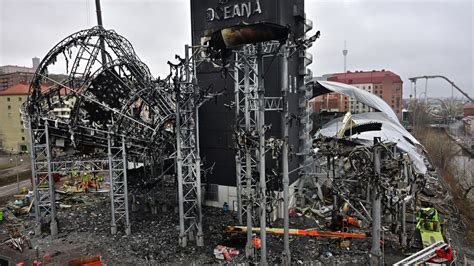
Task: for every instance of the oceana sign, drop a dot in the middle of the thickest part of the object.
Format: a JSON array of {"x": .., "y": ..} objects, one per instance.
[{"x": 228, "y": 10}]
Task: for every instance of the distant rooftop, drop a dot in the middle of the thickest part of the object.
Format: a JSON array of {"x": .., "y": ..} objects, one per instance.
[
  {"x": 20, "y": 89},
  {"x": 7, "y": 69},
  {"x": 362, "y": 77},
  {"x": 469, "y": 106}
]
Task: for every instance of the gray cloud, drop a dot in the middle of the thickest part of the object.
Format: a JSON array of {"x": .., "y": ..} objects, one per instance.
[{"x": 410, "y": 38}]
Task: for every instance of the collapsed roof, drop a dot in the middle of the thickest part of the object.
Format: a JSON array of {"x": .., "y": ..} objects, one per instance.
[{"x": 366, "y": 126}]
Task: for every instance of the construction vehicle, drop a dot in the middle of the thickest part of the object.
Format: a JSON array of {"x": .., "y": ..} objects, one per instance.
[{"x": 429, "y": 226}]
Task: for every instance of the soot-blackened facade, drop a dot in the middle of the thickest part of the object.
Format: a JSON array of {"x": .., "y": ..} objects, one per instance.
[{"x": 216, "y": 120}]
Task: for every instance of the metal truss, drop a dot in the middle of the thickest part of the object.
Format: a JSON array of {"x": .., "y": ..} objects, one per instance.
[
  {"x": 273, "y": 104},
  {"x": 43, "y": 181},
  {"x": 187, "y": 148},
  {"x": 246, "y": 111},
  {"x": 115, "y": 93},
  {"x": 117, "y": 156},
  {"x": 250, "y": 107},
  {"x": 80, "y": 166},
  {"x": 44, "y": 165}
]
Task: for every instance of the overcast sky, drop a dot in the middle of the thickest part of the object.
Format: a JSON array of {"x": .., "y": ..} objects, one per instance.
[{"x": 410, "y": 38}]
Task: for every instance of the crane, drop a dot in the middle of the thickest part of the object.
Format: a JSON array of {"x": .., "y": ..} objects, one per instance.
[{"x": 414, "y": 79}]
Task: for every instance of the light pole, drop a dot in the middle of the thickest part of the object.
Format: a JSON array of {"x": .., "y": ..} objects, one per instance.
[{"x": 16, "y": 168}]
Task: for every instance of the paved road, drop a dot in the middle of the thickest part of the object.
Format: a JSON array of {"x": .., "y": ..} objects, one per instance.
[{"x": 11, "y": 189}]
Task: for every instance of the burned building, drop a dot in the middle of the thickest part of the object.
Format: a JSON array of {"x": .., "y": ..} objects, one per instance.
[{"x": 218, "y": 121}]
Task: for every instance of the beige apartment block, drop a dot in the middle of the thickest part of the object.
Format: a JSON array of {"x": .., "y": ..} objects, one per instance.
[{"x": 14, "y": 137}]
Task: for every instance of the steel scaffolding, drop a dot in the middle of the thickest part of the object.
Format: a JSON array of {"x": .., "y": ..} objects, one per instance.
[
  {"x": 44, "y": 165},
  {"x": 250, "y": 107},
  {"x": 43, "y": 181},
  {"x": 246, "y": 112},
  {"x": 117, "y": 156},
  {"x": 187, "y": 148}
]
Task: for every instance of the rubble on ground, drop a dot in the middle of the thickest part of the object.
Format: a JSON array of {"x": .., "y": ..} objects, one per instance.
[{"x": 85, "y": 231}]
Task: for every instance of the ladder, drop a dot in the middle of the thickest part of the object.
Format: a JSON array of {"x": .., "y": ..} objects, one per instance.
[{"x": 422, "y": 255}]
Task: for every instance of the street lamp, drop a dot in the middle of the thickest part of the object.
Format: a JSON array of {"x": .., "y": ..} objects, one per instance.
[{"x": 16, "y": 168}]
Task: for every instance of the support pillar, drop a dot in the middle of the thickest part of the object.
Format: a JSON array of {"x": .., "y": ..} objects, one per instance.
[
  {"x": 375, "y": 252},
  {"x": 200, "y": 235},
  {"x": 188, "y": 160},
  {"x": 125, "y": 187},
  {"x": 35, "y": 181},
  {"x": 249, "y": 250},
  {"x": 286, "y": 256},
  {"x": 238, "y": 155},
  {"x": 261, "y": 154},
  {"x": 113, "y": 225},
  {"x": 52, "y": 190},
  {"x": 238, "y": 170},
  {"x": 403, "y": 233},
  {"x": 179, "y": 167}
]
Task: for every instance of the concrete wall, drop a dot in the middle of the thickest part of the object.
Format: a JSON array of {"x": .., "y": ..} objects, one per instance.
[{"x": 229, "y": 194}]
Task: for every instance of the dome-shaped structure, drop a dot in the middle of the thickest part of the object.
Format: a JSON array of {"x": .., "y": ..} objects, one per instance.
[{"x": 107, "y": 90}]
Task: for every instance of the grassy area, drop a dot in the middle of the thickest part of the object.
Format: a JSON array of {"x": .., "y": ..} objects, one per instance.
[
  {"x": 12, "y": 178},
  {"x": 7, "y": 165}
]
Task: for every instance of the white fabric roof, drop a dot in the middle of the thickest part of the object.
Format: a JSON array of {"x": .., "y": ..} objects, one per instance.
[
  {"x": 360, "y": 95},
  {"x": 391, "y": 130}
]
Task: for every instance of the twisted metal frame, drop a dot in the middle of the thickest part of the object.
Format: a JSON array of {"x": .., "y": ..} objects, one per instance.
[{"x": 116, "y": 109}]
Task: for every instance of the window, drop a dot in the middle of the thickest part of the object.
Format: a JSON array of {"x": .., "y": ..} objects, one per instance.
[
  {"x": 21, "y": 122},
  {"x": 8, "y": 99},
  {"x": 23, "y": 138},
  {"x": 22, "y": 130},
  {"x": 23, "y": 148},
  {"x": 19, "y": 99},
  {"x": 212, "y": 193},
  {"x": 9, "y": 107}
]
